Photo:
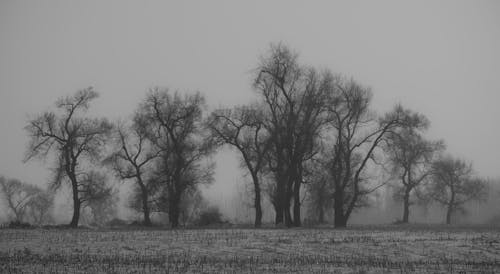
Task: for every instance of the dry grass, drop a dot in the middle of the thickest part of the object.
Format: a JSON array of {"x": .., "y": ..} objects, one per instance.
[{"x": 360, "y": 250}]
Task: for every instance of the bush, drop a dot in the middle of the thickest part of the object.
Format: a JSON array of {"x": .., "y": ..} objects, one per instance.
[
  {"x": 18, "y": 224},
  {"x": 209, "y": 216},
  {"x": 116, "y": 223}
]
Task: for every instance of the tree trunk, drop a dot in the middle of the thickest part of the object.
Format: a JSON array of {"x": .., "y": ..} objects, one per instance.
[
  {"x": 280, "y": 201},
  {"x": 340, "y": 219},
  {"x": 76, "y": 205},
  {"x": 448, "y": 214},
  {"x": 296, "y": 203},
  {"x": 406, "y": 206},
  {"x": 145, "y": 206},
  {"x": 173, "y": 213},
  {"x": 286, "y": 207},
  {"x": 258, "y": 208},
  {"x": 287, "y": 214}
]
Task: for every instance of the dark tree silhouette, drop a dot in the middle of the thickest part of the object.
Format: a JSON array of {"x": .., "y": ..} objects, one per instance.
[
  {"x": 17, "y": 196},
  {"x": 411, "y": 156},
  {"x": 357, "y": 135},
  {"x": 243, "y": 129},
  {"x": 72, "y": 138},
  {"x": 454, "y": 184},
  {"x": 293, "y": 97},
  {"x": 132, "y": 155},
  {"x": 175, "y": 126}
]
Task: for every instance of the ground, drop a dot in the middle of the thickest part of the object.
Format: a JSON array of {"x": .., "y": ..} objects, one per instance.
[{"x": 382, "y": 249}]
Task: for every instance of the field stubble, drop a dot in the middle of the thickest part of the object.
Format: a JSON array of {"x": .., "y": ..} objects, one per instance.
[{"x": 308, "y": 250}]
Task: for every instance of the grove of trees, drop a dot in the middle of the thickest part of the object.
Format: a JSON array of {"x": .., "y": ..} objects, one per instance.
[{"x": 310, "y": 133}]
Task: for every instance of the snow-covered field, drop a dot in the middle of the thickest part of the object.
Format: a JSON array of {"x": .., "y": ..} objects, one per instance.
[{"x": 307, "y": 250}]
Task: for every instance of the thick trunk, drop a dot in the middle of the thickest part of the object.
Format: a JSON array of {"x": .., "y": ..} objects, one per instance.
[
  {"x": 448, "y": 214},
  {"x": 406, "y": 206},
  {"x": 340, "y": 219},
  {"x": 257, "y": 205},
  {"x": 174, "y": 211},
  {"x": 76, "y": 204},
  {"x": 287, "y": 214},
  {"x": 280, "y": 201},
  {"x": 296, "y": 203},
  {"x": 286, "y": 206},
  {"x": 145, "y": 206}
]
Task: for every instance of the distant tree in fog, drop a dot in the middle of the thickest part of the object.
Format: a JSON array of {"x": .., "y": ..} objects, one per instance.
[
  {"x": 25, "y": 202},
  {"x": 243, "y": 129},
  {"x": 454, "y": 184},
  {"x": 356, "y": 136},
  {"x": 101, "y": 210},
  {"x": 410, "y": 156},
  {"x": 39, "y": 207},
  {"x": 174, "y": 123},
  {"x": 73, "y": 139},
  {"x": 132, "y": 156},
  {"x": 17, "y": 196}
]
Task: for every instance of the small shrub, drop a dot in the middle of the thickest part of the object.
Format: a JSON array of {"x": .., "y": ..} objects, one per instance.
[
  {"x": 19, "y": 224},
  {"x": 209, "y": 216},
  {"x": 116, "y": 222}
]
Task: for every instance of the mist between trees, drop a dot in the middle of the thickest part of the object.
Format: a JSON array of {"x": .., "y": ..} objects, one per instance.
[{"x": 310, "y": 145}]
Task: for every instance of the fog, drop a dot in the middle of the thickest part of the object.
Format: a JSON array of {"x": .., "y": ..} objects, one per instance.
[{"x": 438, "y": 58}]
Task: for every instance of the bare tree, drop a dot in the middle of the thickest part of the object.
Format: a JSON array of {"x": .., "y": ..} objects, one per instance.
[
  {"x": 39, "y": 207},
  {"x": 357, "y": 135},
  {"x": 131, "y": 158},
  {"x": 293, "y": 97},
  {"x": 175, "y": 125},
  {"x": 72, "y": 138},
  {"x": 454, "y": 184},
  {"x": 243, "y": 129},
  {"x": 411, "y": 156},
  {"x": 103, "y": 208},
  {"x": 17, "y": 196}
]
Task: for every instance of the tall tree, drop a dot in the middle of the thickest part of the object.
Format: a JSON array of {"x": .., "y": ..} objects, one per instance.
[
  {"x": 72, "y": 138},
  {"x": 132, "y": 156},
  {"x": 293, "y": 97},
  {"x": 411, "y": 156},
  {"x": 357, "y": 134},
  {"x": 175, "y": 125},
  {"x": 243, "y": 129},
  {"x": 454, "y": 184}
]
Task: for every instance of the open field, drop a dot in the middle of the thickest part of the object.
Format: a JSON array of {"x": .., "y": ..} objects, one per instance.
[{"x": 309, "y": 250}]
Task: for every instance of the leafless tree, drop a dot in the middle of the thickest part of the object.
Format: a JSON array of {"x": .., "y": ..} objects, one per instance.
[
  {"x": 357, "y": 134},
  {"x": 39, "y": 207},
  {"x": 411, "y": 156},
  {"x": 175, "y": 125},
  {"x": 293, "y": 97},
  {"x": 132, "y": 155},
  {"x": 17, "y": 196},
  {"x": 71, "y": 138},
  {"x": 103, "y": 208},
  {"x": 243, "y": 129},
  {"x": 454, "y": 184}
]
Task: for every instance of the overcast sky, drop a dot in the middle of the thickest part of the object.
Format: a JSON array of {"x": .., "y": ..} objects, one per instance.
[{"x": 441, "y": 58}]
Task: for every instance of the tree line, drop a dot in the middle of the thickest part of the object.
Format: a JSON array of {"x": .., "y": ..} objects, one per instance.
[{"x": 309, "y": 132}]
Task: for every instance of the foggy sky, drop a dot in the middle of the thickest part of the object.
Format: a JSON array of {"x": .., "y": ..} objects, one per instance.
[{"x": 440, "y": 58}]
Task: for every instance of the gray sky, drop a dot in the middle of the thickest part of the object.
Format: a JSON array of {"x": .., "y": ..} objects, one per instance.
[{"x": 441, "y": 58}]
